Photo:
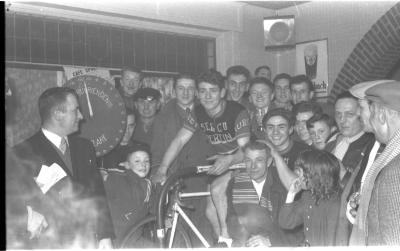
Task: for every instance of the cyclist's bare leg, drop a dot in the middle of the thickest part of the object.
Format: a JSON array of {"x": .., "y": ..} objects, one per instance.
[
  {"x": 218, "y": 195},
  {"x": 212, "y": 216}
]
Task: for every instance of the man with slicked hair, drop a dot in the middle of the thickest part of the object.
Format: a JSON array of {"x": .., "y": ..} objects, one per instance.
[{"x": 74, "y": 205}]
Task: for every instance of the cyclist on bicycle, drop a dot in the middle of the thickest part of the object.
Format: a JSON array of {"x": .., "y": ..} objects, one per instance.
[{"x": 226, "y": 126}]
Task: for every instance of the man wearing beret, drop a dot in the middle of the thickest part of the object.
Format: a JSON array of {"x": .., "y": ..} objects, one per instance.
[
  {"x": 147, "y": 103},
  {"x": 378, "y": 216}
]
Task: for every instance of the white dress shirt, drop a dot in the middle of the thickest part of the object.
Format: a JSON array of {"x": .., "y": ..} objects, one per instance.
[
  {"x": 53, "y": 138},
  {"x": 259, "y": 187}
]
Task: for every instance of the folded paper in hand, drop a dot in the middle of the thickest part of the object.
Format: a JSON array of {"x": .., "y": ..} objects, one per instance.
[{"x": 48, "y": 176}]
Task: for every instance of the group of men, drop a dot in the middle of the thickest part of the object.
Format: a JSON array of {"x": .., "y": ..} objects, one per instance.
[{"x": 219, "y": 119}]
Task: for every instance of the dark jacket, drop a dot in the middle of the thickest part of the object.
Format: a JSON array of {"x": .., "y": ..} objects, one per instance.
[
  {"x": 76, "y": 205},
  {"x": 354, "y": 153},
  {"x": 247, "y": 215},
  {"x": 129, "y": 198},
  {"x": 166, "y": 125}
]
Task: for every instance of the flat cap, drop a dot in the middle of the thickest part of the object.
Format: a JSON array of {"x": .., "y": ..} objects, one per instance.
[
  {"x": 386, "y": 93},
  {"x": 147, "y": 94},
  {"x": 358, "y": 90}
]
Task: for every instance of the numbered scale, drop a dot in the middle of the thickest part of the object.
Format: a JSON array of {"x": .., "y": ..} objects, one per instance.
[{"x": 103, "y": 110}]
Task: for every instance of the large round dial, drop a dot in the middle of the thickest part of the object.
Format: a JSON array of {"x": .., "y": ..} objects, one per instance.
[{"x": 103, "y": 110}]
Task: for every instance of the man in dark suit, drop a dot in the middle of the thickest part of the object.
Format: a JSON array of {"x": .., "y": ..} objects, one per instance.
[
  {"x": 74, "y": 205},
  {"x": 352, "y": 142}
]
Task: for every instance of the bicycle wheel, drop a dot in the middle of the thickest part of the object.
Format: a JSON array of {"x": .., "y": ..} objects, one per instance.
[{"x": 144, "y": 235}]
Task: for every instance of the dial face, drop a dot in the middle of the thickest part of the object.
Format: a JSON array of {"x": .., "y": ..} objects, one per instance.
[{"x": 103, "y": 110}]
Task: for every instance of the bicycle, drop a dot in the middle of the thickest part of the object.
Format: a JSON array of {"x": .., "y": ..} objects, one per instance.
[{"x": 157, "y": 231}]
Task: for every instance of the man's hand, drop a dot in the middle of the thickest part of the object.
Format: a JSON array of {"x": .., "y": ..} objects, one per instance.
[
  {"x": 105, "y": 244},
  {"x": 124, "y": 164},
  {"x": 221, "y": 164},
  {"x": 296, "y": 185},
  {"x": 258, "y": 241},
  {"x": 294, "y": 188},
  {"x": 352, "y": 205},
  {"x": 159, "y": 177},
  {"x": 104, "y": 174},
  {"x": 274, "y": 152},
  {"x": 36, "y": 223}
]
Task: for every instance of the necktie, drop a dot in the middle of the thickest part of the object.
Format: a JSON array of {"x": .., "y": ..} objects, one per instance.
[
  {"x": 63, "y": 145},
  {"x": 187, "y": 111},
  {"x": 260, "y": 115}
]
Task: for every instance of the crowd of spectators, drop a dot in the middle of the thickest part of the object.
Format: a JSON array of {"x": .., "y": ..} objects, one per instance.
[{"x": 316, "y": 174}]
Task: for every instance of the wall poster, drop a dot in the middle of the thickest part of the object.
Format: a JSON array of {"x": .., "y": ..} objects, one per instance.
[{"x": 312, "y": 60}]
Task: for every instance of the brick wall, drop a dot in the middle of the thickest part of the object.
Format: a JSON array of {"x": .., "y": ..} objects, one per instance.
[{"x": 374, "y": 56}]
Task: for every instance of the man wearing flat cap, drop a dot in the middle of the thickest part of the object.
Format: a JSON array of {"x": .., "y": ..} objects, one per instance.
[
  {"x": 378, "y": 216},
  {"x": 147, "y": 103}
]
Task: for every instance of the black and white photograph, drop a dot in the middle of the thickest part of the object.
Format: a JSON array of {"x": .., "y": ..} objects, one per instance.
[{"x": 170, "y": 124}]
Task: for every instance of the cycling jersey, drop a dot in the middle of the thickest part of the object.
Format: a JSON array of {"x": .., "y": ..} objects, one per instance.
[{"x": 222, "y": 130}]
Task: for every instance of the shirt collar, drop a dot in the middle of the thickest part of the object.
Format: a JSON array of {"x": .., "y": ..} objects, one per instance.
[
  {"x": 184, "y": 108},
  {"x": 354, "y": 138},
  {"x": 53, "y": 138},
  {"x": 259, "y": 187}
]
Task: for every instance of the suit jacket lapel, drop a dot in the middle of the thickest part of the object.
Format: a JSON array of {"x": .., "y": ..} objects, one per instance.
[
  {"x": 50, "y": 154},
  {"x": 74, "y": 149}
]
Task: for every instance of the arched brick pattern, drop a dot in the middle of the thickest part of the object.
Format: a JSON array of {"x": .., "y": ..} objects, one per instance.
[{"x": 374, "y": 56}]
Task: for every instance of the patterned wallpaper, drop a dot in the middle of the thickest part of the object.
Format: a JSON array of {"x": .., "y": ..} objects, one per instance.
[{"x": 29, "y": 84}]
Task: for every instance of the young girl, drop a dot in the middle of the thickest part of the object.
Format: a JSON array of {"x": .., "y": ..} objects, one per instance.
[
  {"x": 129, "y": 191},
  {"x": 318, "y": 207}
]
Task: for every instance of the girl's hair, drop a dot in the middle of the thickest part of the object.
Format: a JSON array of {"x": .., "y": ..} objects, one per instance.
[{"x": 321, "y": 171}]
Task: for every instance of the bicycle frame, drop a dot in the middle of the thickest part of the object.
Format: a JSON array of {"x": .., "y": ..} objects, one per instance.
[{"x": 177, "y": 209}]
